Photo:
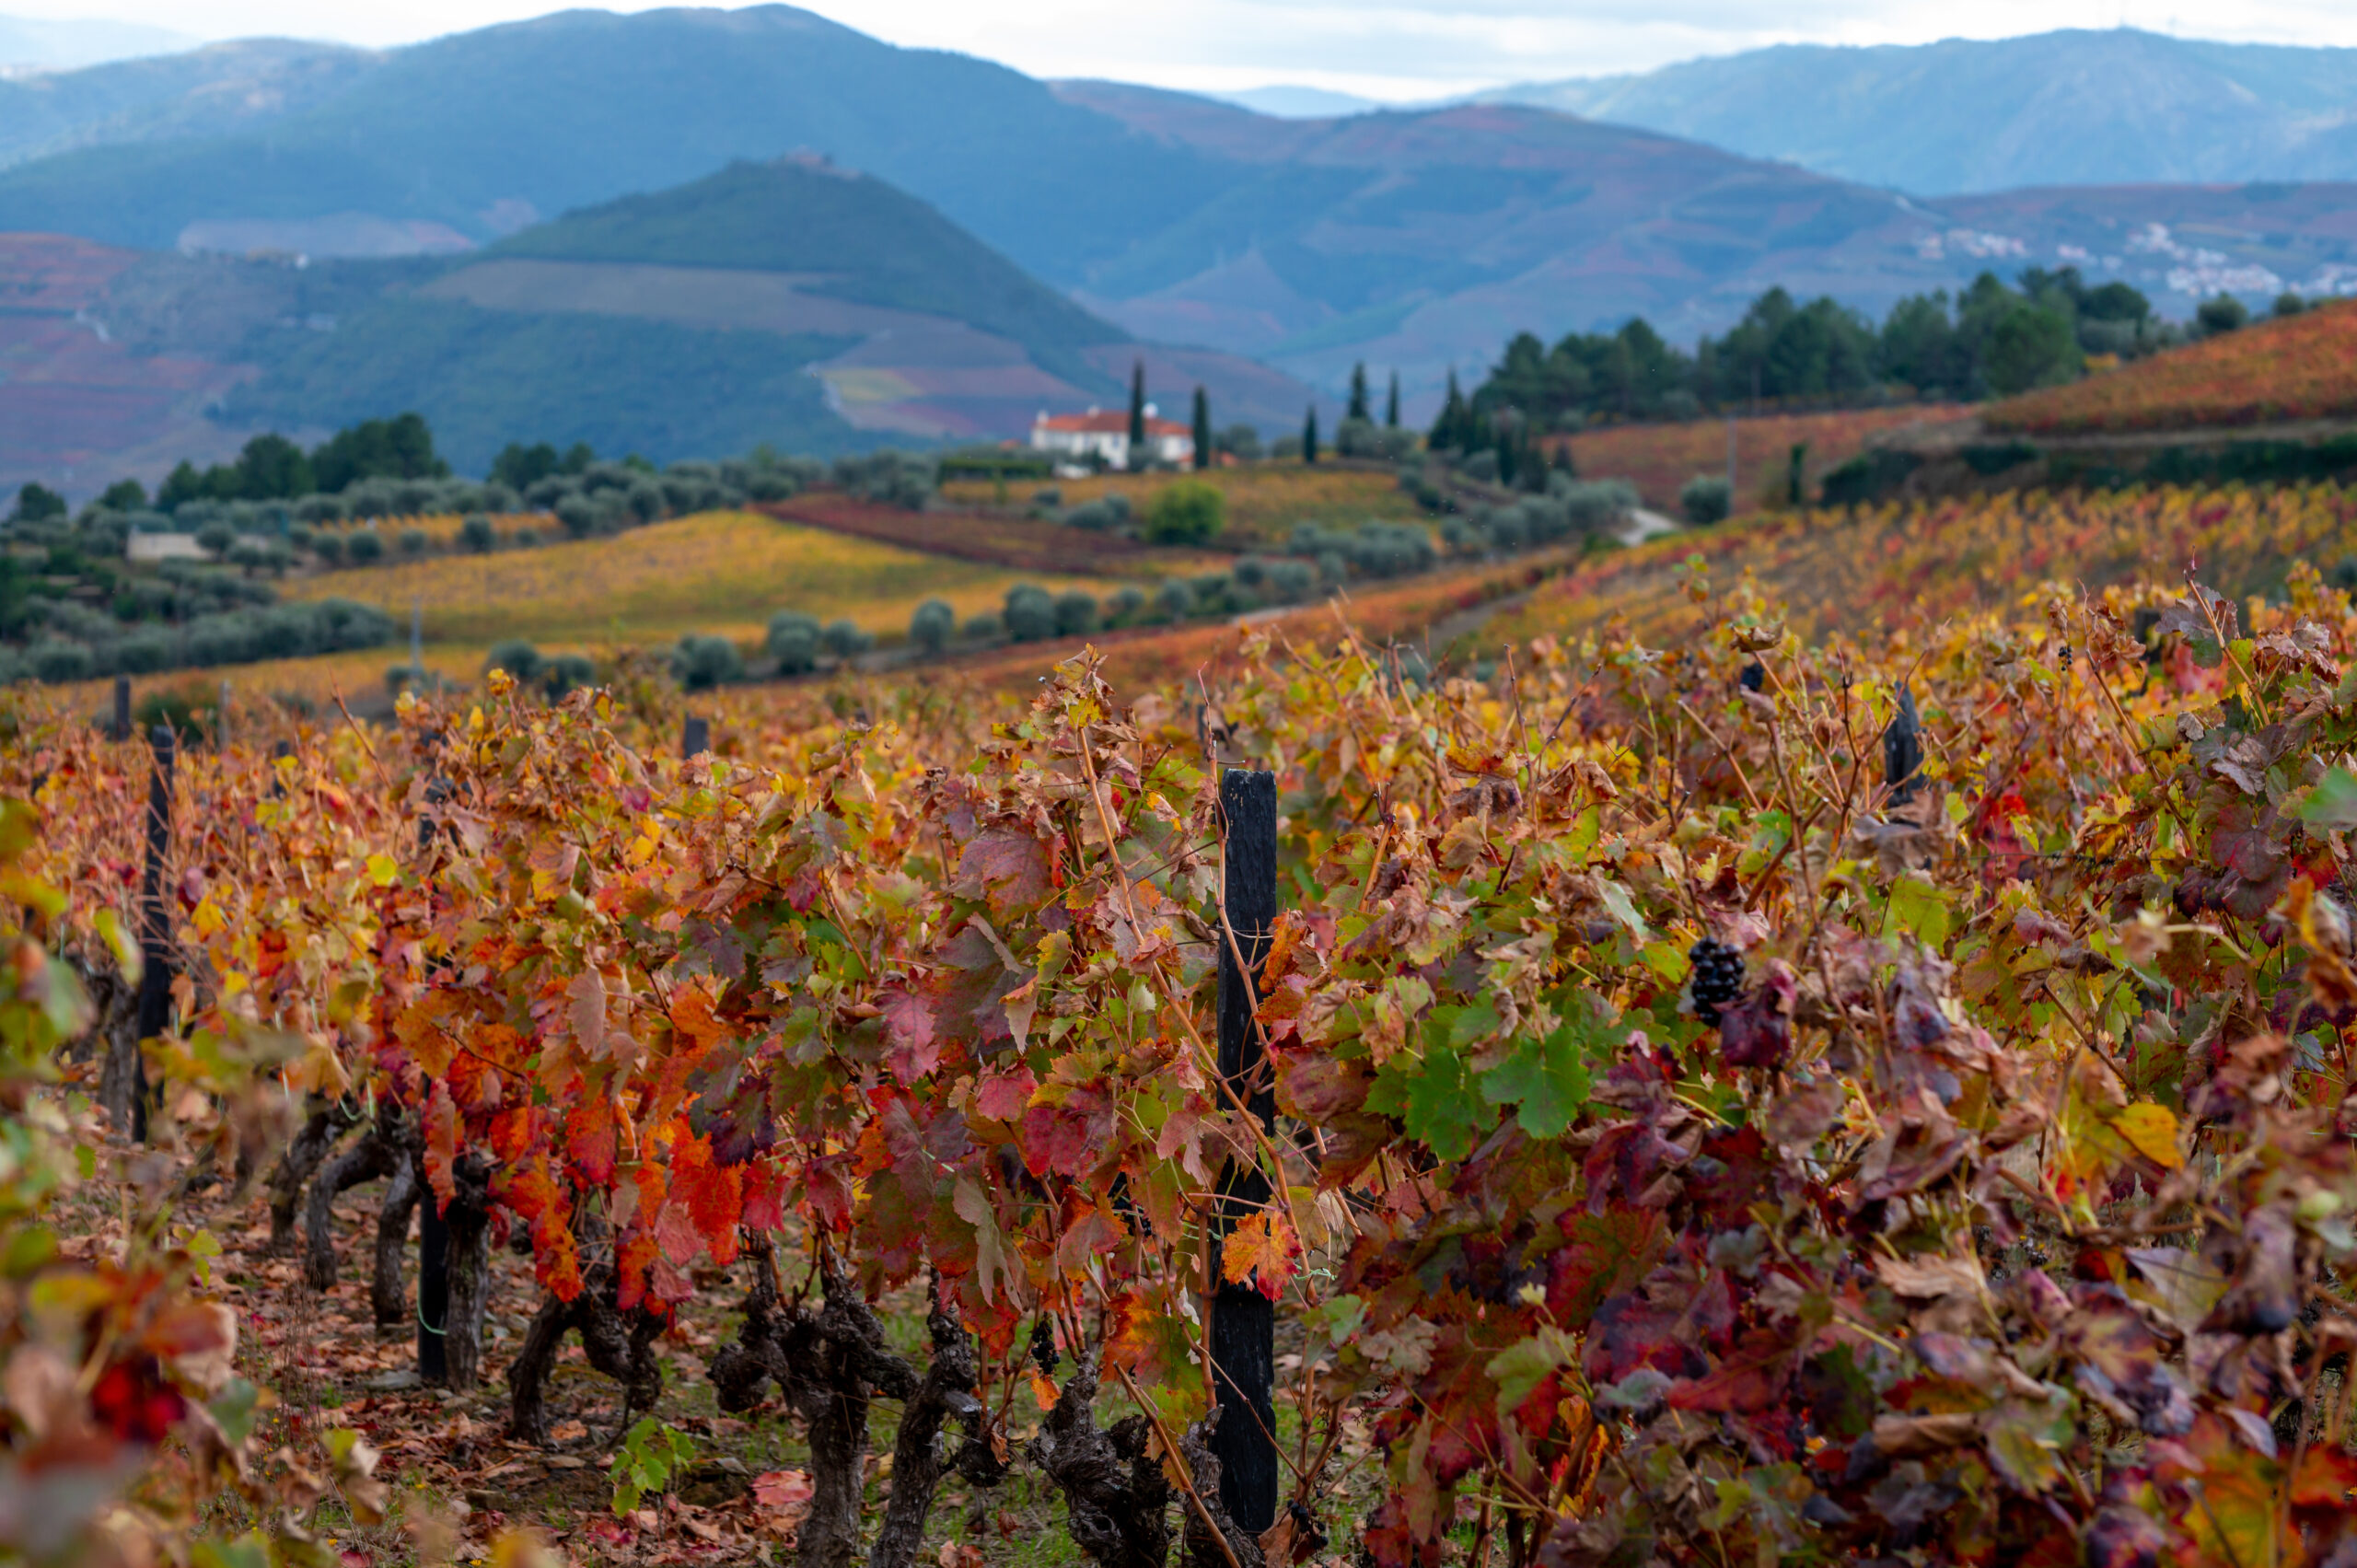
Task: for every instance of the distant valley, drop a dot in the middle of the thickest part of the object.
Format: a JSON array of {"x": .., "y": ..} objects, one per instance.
[{"x": 302, "y": 233}]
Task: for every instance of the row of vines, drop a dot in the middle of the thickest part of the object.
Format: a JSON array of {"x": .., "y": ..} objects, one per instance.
[{"x": 1765, "y": 1100}]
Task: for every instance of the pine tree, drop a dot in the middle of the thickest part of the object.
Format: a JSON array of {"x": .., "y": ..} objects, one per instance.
[
  {"x": 1391, "y": 406},
  {"x": 1309, "y": 437},
  {"x": 1137, "y": 414},
  {"x": 1203, "y": 429},
  {"x": 1358, "y": 408}
]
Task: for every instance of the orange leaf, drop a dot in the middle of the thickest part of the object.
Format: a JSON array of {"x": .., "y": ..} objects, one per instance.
[
  {"x": 1262, "y": 1244},
  {"x": 441, "y": 1146}
]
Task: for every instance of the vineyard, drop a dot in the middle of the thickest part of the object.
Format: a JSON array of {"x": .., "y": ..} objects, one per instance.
[
  {"x": 1659, "y": 459},
  {"x": 1265, "y": 501},
  {"x": 1722, "y": 1081},
  {"x": 2300, "y": 367}
]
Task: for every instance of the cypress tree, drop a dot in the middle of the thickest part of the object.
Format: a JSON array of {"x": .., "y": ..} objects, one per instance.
[
  {"x": 1137, "y": 414},
  {"x": 1309, "y": 436},
  {"x": 1358, "y": 408},
  {"x": 1203, "y": 429},
  {"x": 1391, "y": 406},
  {"x": 1450, "y": 429}
]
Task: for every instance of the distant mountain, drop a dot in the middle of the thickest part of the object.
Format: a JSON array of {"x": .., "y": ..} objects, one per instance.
[
  {"x": 1419, "y": 240},
  {"x": 1298, "y": 103},
  {"x": 44, "y": 44},
  {"x": 480, "y": 133},
  {"x": 215, "y": 91},
  {"x": 2068, "y": 108},
  {"x": 788, "y": 301}
]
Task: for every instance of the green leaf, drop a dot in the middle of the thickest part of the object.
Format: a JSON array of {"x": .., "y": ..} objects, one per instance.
[
  {"x": 1917, "y": 907},
  {"x": 1545, "y": 1080},
  {"x": 2333, "y": 803},
  {"x": 233, "y": 1411},
  {"x": 1434, "y": 1098},
  {"x": 1519, "y": 1368}
]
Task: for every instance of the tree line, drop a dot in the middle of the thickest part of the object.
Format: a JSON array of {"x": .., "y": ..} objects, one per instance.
[{"x": 1990, "y": 340}]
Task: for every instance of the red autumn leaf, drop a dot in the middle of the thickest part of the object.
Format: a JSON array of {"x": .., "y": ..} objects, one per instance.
[
  {"x": 715, "y": 1196},
  {"x": 764, "y": 1196},
  {"x": 911, "y": 1048},
  {"x": 591, "y": 1136},
  {"x": 1007, "y": 866},
  {"x": 1004, "y": 1093}
]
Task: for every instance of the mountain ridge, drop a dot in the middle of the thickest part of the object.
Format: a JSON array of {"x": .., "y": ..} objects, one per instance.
[{"x": 2069, "y": 107}]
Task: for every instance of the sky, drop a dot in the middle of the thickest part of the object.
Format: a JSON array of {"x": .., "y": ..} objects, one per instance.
[{"x": 1392, "y": 50}]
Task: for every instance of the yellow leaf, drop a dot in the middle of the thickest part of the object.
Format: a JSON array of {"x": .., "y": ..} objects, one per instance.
[
  {"x": 2151, "y": 1130},
  {"x": 382, "y": 871}
]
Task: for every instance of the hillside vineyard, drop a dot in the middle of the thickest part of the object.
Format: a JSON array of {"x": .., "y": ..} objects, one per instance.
[{"x": 1988, "y": 1203}]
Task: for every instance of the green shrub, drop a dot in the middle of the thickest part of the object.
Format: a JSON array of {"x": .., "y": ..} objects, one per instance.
[
  {"x": 569, "y": 672},
  {"x": 1190, "y": 511},
  {"x": 700, "y": 662},
  {"x": 1030, "y": 613},
  {"x": 365, "y": 547},
  {"x": 477, "y": 534},
  {"x": 517, "y": 657},
  {"x": 413, "y": 542},
  {"x": 932, "y": 626},
  {"x": 845, "y": 639},
  {"x": 1706, "y": 498},
  {"x": 1075, "y": 613},
  {"x": 792, "y": 642}
]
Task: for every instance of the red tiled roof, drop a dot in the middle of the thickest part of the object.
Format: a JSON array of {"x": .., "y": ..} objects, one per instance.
[{"x": 1106, "y": 422}]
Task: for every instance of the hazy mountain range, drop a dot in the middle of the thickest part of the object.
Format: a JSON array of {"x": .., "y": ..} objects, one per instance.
[
  {"x": 1416, "y": 239},
  {"x": 2070, "y": 107}
]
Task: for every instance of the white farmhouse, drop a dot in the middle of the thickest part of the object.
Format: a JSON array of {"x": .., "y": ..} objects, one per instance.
[{"x": 1106, "y": 433}]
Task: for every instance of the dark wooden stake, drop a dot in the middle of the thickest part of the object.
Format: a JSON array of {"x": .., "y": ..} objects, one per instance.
[
  {"x": 154, "y": 929},
  {"x": 1902, "y": 750},
  {"x": 433, "y": 1229},
  {"x": 695, "y": 737},
  {"x": 1243, "y": 1320},
  {"x": 123, "y": 707},
  {"x": 432, "y": 1285}
]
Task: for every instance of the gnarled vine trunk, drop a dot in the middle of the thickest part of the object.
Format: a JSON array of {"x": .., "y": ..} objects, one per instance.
[
  {"x": 469, "y": 1222},
  {"x": 830, "y": 1366},
  {"x": 618, "y": 1344},
  {"x": 305, "y": 1153},
  {"x": 374, "y": 1153},
  {"x": 388, "y": 1300}
]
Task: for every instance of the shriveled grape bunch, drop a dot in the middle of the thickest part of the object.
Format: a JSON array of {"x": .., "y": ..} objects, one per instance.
[{"x": 1718, "y": 978}]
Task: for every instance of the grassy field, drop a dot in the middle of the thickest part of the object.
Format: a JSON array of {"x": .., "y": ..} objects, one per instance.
[
  {"x": 1659, "y": 459},
  {"x": 725, "y": 572},
  {"x": 1265, "y": 500}
]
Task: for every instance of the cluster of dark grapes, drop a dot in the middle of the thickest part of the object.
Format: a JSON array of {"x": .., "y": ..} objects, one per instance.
[
  {"x": 1718, "y": 978},
  {"x": 1043, "y": 1345}
]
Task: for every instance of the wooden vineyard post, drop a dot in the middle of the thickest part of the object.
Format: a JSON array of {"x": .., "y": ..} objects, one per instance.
[
  {"x": 155, "y": 930},
  {"x": 432, "y": 1227},
  {"x": 123, "y": 707},
  {"x": 1243, "y": 1320},
  {"x": 1902, "y": 750},
  {"x": 695, "y": 737},
  {"x": 433, "y": 1288}
]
